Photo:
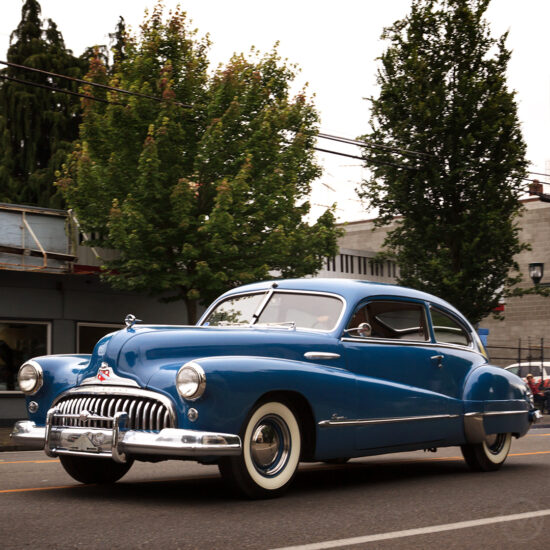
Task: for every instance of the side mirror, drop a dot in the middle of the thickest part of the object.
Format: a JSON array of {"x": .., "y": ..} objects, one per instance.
[{"x": 363, "y": 330}]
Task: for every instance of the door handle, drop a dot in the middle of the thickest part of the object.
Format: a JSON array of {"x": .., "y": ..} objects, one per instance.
[{"x": 438, "y": 358}]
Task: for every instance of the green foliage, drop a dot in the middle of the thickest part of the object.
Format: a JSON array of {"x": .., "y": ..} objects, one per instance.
[
  {"x": 37, "y": 127},
  {"x": 207, "y": 189},
  {"x": 443, "y": 92}
]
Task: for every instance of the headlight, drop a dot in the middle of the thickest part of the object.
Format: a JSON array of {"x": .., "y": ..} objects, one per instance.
[
  {"x": 30, "y": 377},
  {"x": 191, "y": 381}
]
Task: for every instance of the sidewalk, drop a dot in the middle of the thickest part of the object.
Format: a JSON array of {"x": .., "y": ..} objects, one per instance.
[{"x": 7, "y": 445}]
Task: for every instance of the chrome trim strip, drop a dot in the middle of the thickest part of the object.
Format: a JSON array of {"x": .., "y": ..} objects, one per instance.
[
  {"x": 321, "y": 355},
  {"x": 120, "y": 390},
  {"x": 498, "y": 413},
  {"x": 395, "y": 342},
  {"x": 364, "y": 422}
]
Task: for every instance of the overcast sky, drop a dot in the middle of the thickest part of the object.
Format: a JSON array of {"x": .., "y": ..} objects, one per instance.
[{"x": 336, "y": 45}]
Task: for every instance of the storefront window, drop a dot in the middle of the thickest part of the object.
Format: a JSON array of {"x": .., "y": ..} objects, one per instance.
[
  {"x": 89, "y": 334},
  {"x": 20, "y": 341}
]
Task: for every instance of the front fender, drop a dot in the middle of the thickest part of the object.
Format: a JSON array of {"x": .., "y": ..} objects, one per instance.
[
  {"x": 61, "y": 373},
  {"x": 235, "y": 383}
]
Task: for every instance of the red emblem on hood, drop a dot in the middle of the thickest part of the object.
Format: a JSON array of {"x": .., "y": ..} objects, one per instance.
[{"x": 103, "y": 373}]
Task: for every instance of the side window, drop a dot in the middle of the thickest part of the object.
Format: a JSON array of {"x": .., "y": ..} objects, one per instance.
[
  {"x": 447, "y": 330},
  {"x": 388, "y": 319}
]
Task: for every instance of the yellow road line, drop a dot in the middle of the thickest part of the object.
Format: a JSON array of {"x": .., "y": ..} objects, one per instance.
[
  {"x": 27, "y": 489},
  {"x": 28, "y": 461},
  {"x": 213, "y": 476}
]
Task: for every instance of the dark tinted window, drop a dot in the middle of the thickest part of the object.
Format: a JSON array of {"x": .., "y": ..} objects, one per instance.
[
  {"x": 389, "y": 319},
  {"x": 448, "y": 330}
]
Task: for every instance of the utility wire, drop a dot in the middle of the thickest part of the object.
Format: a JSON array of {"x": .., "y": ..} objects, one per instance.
[
  {"x": 58, "y": 90},
  {"x": 91, "y": 83},
  {"x": 381, "y": 163},
  {"x": 360, "y": 143},
  {"x": 538, "y": 174}
]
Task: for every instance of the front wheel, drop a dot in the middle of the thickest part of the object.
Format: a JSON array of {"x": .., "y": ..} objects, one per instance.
[
  {"x": 271, "y": 452},
  {"x": 94, "y": 470},
  {"x": 489, "y": 455}
]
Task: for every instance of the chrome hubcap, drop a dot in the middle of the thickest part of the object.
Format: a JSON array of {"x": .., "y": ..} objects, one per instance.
[
  {"x": 270, "y": 445},
  {"x": 495, "y": 443}
]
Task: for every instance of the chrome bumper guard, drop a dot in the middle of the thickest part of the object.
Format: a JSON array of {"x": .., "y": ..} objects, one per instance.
[{"x": 116, "y": 442}]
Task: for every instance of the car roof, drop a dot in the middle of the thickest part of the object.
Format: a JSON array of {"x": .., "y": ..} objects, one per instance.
[{"x": 351, "y": 289}]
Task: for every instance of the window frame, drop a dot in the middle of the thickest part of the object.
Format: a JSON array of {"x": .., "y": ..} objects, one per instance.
[
  {"x": 19, "y": 321},
  {"x": 395, "y": 299},
  {"x": 79, "y": 324},
  {"x": 457, "y": 320}
]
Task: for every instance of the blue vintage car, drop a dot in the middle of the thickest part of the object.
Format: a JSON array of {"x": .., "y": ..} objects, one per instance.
[{"x": 273, "y": 374}]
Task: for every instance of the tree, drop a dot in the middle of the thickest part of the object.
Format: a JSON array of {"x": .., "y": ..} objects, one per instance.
[
  {"x": 454, "y": 200},
  {"x": 37, "y": 126},
  {"x": 206, "y": 189}
]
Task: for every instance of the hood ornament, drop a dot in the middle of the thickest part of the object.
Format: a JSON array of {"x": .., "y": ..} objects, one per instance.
[{"x": 131, "y": 320}]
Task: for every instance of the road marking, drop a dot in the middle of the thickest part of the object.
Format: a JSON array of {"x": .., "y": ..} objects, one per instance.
[
  {"x": 418, "y": 531},
  {"x": 27, "y": 489},
  {"x": 312, "y": 467},
  {"x": 28, "y": 461}
]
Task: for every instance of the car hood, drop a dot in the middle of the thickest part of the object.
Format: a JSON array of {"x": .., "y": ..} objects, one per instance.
[{"x": 137, "y": 354}]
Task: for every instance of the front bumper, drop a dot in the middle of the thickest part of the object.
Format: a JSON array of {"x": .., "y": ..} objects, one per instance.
[{"x": 118, "y": 444}]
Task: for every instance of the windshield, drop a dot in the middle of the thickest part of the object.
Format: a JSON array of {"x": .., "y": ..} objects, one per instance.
[{"x": 290, "y": 309}]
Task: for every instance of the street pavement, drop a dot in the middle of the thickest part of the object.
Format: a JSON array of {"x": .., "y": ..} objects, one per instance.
[{"x": 401, "y": 501}]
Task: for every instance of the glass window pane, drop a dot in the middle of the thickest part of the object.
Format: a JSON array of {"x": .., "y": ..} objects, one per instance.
[
  {"x": 396, "y": 320},
  {"x": 88, "y": 336},
  {"x": 19, "y": 342},
  {"x": 235, "y": 311},
  {"x": 304, "y": 310},
  {"x": 447, "y": 330}
]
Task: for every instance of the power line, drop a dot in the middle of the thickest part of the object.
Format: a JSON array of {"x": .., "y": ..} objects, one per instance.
[
  {"x": 381, "y": 163},
  {"x": 58, "y": 90},
  {"x": 91, "y": 83},
  {"x": 538, "y": 174},
  {"x": 361, "y": 143}
]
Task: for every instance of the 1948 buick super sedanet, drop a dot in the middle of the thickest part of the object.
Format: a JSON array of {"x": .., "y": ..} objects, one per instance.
[{"x": 275, "y": 373}]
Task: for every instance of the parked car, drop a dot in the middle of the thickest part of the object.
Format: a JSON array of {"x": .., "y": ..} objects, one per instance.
[
  {"x": 273, "y": 374},
  {"x": 539, "y": 370}
]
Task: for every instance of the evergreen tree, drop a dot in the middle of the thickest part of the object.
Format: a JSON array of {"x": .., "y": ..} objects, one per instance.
[
  {"x": 207, "y": 189},
  {"x": 37, "y": 125},
  {"x": 443, "y": 93}
]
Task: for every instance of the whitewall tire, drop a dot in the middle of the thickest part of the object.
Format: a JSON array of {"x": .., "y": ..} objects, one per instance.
[
  {"x": 489, "y": 455},
  {"x": 271, "y": 441}
]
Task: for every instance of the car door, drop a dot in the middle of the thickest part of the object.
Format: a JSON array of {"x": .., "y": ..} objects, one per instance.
[
  {"x": 454, "y": 344},
  {"x": 404, "y": 397}
]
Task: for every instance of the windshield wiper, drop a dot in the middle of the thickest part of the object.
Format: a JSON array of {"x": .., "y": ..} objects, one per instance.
[{"x": 285, "y": 324}]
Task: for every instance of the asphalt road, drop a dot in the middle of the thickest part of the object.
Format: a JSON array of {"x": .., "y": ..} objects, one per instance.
[{"x": 410, "y": 500}]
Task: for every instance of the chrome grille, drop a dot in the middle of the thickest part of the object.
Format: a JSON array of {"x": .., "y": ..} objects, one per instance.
[{"x": 144, "y": 413}]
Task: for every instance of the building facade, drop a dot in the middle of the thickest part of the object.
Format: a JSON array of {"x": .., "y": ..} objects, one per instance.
[{"x": 52, "y": 299}]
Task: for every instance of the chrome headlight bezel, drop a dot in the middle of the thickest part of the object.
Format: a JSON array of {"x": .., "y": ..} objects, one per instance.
[
  {"x": 36, "y": 374},
  {"x": 191, "y": 381}
]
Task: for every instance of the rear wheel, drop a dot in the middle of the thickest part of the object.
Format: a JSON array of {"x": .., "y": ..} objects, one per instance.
[
  {"x": 489, "y": 455},
  {"x": 94, "y": 470},
  {"x": 271, "y": 452}
]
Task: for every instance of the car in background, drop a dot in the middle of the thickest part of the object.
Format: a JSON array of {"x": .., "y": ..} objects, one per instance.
[
  {"x": 275, "y": 373},
  {"x": 539, "y": 370}
]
